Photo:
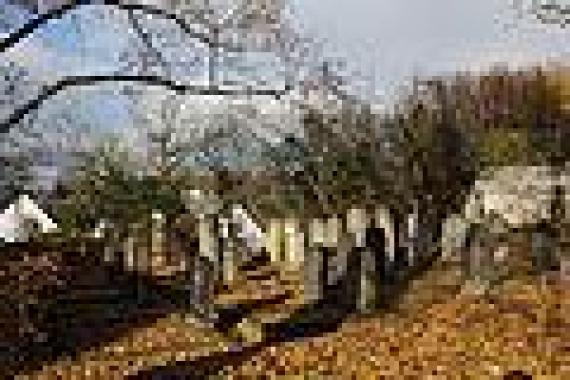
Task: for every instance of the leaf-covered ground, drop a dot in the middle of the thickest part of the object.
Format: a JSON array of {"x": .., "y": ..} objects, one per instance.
[
  {"x": 435, "y": 330},
  {"x": 524, "y": 327}
]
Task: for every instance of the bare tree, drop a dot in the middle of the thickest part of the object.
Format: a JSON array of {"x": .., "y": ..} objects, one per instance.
[{"x": 552, "y": 12}]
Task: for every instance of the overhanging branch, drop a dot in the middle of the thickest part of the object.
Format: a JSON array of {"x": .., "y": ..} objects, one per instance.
[
  {"x": 36, "y": 23},
  {"x": 150, "y": 80}
]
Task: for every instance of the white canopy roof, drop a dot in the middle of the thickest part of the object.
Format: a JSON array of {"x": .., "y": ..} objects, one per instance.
[{"x": 16, "y": 222}]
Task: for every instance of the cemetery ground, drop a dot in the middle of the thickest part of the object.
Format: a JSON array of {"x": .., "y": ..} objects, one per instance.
[
  {"x": 436, "y": 330},
  {"x": 68, "y": 316}
]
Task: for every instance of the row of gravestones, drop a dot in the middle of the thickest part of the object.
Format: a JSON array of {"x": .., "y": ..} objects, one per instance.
[{"x": 320, "y": 248}]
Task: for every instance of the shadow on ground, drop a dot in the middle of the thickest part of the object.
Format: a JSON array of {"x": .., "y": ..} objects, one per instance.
[
  {"x": 339, "y": 301},
  {"x": 56, "y": 304}
]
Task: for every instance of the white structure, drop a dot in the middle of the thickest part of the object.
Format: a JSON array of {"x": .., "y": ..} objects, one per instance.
[
  {"x": 507, "y": 198},
  {"x": 17, "y": 221}
]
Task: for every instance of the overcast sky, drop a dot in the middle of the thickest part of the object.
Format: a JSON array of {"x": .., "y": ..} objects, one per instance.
[{"x": 388, "y": 41}]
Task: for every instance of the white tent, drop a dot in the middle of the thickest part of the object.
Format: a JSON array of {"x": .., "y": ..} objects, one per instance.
[{"x": 18, "y": 220}]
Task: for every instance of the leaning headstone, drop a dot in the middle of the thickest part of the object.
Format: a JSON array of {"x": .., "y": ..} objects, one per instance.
[
  {"x": 207, "y": 241},
  {"x": 315, "y": 262},
  {"x": 383, "y": 220}
]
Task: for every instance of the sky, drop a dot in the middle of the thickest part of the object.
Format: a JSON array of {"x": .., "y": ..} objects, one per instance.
[
  {"x": 382, "y": 44},
  {"x": 99, "y": 40},
  {"x": 385, "y": 42}
]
